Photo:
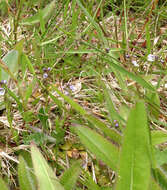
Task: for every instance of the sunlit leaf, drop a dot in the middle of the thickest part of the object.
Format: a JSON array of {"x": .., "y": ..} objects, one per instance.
[
  {"x": 98, "y": 145},
  {"x": 70, "y": 176},
  {"x": 135, "y": 166},
  {"x": 44, "y": 13},
  {"x": 10, "y": 66},
  {"x": 25, "y": 178},
  {"x": 112, "y": 133},
  {"x": 44, "y": 174}
]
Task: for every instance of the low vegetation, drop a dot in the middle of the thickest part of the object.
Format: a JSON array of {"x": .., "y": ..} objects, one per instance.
[{"x": 83, "y": 92}]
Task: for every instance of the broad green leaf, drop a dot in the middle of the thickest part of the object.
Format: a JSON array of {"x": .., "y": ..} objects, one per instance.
[
  {"x": 26, "y": 181},
  {"x": 98, "y": 145},
  {"x": 70, "y": 176},
  {"x": 44, "y": 13},
  {"x": 3, "y": 185},
  {"x": 135, "y": 166},
  {"x": 44, "y": 174},
  {"x": 109, "y": 132},
  {"x": 158, "y": 137},
  {"x": 113, "y": 134},
  {"x": 10, "y": 66}
]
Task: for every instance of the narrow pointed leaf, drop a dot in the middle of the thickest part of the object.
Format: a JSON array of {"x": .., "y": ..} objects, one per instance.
[
  {"x": 44, "y": 174},
  {"x": 113, "y": 134},
  {"x": 134, "y": 171},
  {"x": 44, "y": 13},
  {"x": 9, "y": 67},
  {"x": 132, "y": 76},
  {"x": 70, "y": 176},
  {"x": 98, "y": 145},
  {"x": 25, "y": 177}
]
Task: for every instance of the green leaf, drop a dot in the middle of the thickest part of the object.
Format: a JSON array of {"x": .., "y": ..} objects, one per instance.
[
  {"x": 161, "y": 177},
  {"x": 160, "y": 156},
  {"x": 44, "y": 174},
  {"x": 3, "y": 185},
  {"x": 44, "y": 13},
  {"x": 98, "y": 145},
  {"x": 158, "y": 137},
  {"x": 135, "y": 166},
  {"x": 92, "y": 21},
  {"x": 154, "y": 104},
  {"x": 26, "y": 181},
  {"x": 10, "y": 66},
  {"x": 134, "y": 77},
  {"x": 90, "y": 184},
  {"x": 112, "y": 111},
  {"x": 113, "y": 134},
  {"x": 70, "y": 176}
]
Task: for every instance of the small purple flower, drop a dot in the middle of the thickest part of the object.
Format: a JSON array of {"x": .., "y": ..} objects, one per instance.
[
  {"x": 107, "y": 50},
  {"x": 151, "y": 58},
  {"x": 72, "y": 87},
  {"x": 162, "y": 61},
  {"x": 45, "y": 75},
  {"x": 135, "y": 63},
  {"x": 116, "y": 125},
  {"x": 2, "y": 91},
  {"x": 3, "y": 81},
  {"x": 127, "y": 56},
  {"x": 49, "y": 68},
  {"x": 66, "y": 93}
]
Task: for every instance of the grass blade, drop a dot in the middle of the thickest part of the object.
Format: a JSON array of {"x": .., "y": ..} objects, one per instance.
[
  {"x": 98, "y": 145},
  {"x": 113, "y": 134},
  {"x": 135, "y": 167},
  {"x": 70, "y": 176},
  {"x": 45, "y": 13},
  {"x": 25, "y": 180},
  {"x": 134, "y": 77},
  {"x": 97, "y": 27}
]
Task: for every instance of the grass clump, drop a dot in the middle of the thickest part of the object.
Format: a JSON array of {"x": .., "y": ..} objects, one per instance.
[{"x": 83, "y": 95}]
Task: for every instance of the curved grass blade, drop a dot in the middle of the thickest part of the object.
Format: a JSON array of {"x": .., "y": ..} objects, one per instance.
[
  {"x": 44, "y": 13},
  {"x": 25, "y": 179},
  {"x": 70, "y": 176},
  {"x": 134, "y": 77},
  {"x": 98, "y": 145},
  {"x": 44, "y": 174},
  {"x": 113, "y": 134},
  {"x": 9, "y": 65},
  {"x": 135, "y": 166},
  {"x": 91, "y": 19}
]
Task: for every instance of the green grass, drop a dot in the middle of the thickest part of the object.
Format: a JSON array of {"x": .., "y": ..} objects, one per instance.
[{"x": 80, "y": 84}]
